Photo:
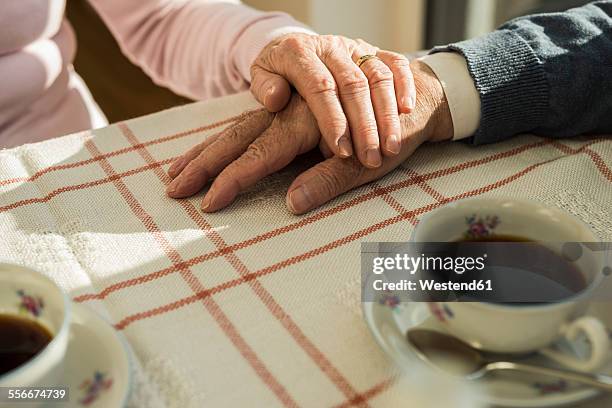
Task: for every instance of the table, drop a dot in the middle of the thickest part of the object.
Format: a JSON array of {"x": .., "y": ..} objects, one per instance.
[{"x": 252, "y": 305}]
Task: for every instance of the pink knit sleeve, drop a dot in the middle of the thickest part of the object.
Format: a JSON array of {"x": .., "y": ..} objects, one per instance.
[{"x": 197, "y": 48}]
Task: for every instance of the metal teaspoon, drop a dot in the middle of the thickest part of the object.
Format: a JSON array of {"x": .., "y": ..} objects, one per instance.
[{"x": 452, "y": 355}]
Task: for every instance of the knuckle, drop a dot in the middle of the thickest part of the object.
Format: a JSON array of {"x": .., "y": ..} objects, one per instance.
[
  {"x": 292, "y": 45},
  {"x": 380, "y": 76},
  {"x": 329, "y": 38},
  {"x": 355, "y": 172},
  {"x": 232, "y": 133},
  {"x": 332, "y": 182},
  {"x": 335, "y": 180},
  {"x": 257, "y": 151},
  {"x": 388, "y": 120},
  {"x": 388, "y": 117},
  {"x": 367, "y": 132},
  {"x": 353, "y": 82},
  {"x": 399, "y": 62},
  {"x": 322, "y": 84},
  {"x": 259, "y": 155}
]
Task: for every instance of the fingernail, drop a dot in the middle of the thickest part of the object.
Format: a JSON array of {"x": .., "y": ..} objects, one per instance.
[
  {"x": 411, "y": 102},
  {"x": 344, "y": 147},
  {"x": 393, "y": 144},
  {"x": 269, "y": 93},
  {"x": 373, "y": 157},
  {"x": 206, "y": 202},
  {"x": 407, "y": 103},
  {"x": 299, "y": 199},
  {"x": 172, "y": 187}
]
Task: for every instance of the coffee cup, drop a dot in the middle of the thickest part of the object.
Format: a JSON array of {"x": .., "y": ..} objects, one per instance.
[
  {"x": 518, "y": 327},
  {"x": 33, "y": 300}
]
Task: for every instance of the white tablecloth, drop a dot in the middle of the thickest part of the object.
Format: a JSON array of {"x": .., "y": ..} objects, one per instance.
[{"x": 252, "y": 305}]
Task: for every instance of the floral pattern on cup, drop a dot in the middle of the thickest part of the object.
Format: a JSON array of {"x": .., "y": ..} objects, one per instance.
[
  {"x": 546, "y": 388},
  {"x": 390, "y": 300},
  {"x": 30, "y": 304},
  {"x": 94, "y": 387},
  {"x": 442, "y": 313},
  {"x": 479, "y": 227}
]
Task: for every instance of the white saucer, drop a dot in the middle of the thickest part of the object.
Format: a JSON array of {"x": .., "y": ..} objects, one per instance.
[
  {"x": 390, "y": 321},
  {"x": 97, "y": 370}
]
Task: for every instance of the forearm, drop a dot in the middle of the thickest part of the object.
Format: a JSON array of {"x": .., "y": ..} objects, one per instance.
[
  {"x": 199, "y": 48},
  {"x": 546, "y": 74}
]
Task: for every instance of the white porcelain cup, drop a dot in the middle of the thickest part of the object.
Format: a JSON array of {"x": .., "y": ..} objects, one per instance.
[
  {"x": 30, "y": 295},
  {"x": 520, "y": 328}
]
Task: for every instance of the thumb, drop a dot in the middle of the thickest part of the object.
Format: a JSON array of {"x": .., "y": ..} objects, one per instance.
[
  {"x": 271, "y": 90},
  {"x": 336, "y": 176},
  {"x": 325, "y": 181}
]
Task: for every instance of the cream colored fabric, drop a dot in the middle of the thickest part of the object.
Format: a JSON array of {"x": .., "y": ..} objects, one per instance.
[
  {"x": 252, "y": 305},
  {"x": 460, "y": 91}
]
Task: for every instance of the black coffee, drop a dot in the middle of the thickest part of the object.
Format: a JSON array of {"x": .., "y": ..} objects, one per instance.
[
  {"x": 526, "y": 271},
  {"x": 20, "y": 340}
]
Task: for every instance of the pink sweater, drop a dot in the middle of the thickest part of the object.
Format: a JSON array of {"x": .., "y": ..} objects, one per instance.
[{"x": 197, "y": 48}]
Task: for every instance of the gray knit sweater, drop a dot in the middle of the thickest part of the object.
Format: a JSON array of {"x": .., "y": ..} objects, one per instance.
[{"x": 547, "y": 74}]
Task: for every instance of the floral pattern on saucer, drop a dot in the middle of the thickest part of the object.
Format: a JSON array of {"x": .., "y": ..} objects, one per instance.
[
  {"x": 30, "y": 304},
  {"x": 390, "y": 300},
  {"x": 480, "y": 227},
  {"x": 546, "y": 388},
  {"x": 94, "y": 387},
  {"x": 442, "y": 313}
]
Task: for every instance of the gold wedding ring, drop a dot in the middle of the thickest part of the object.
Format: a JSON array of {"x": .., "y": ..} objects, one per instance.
[{"x": 364, "y": 58}]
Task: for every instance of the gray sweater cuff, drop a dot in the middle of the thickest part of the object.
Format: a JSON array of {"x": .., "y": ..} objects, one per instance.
[{"x": 511, "y": 82}]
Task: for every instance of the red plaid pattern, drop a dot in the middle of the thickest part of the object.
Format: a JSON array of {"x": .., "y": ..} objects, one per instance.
[{"x": 265, "y": 303}]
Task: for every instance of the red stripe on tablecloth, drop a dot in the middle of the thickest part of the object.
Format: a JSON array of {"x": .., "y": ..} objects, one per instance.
[
  {"x": 123, "y": 323},
  {"x": 213, "y": 308},
  {"x": 99, "y": 157},
  {"x": 398, "y": 186},
  {"x": 400, "y": 209},
  {"x": 371, "y": 392},
  {"x": 424, "y": 186},
  {"x": 393, "y": 203},
  {"x": 601, "y": 165},
  {"x": 116, "y": 176},
  {"x": 324, "y": 364},
  {"x": 394, "y": 187},
  {"x": 340, "y": 242},
  {"x": 318, "y": 216},
  {"x": 595, "y": 157}
]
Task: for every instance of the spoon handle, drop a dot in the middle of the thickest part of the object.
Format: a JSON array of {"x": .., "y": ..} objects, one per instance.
[{"x": 603, "y": 382}]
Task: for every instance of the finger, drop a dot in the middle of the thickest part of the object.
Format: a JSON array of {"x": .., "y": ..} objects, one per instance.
[
  {"x": 380, "y": 79},
  {"x": 405, "y": 89},
  {"x": 266, "y": 155},
  {"x": 354, "y": 94},
  {"x": 325, "y": 150},
  {"x": 335, "y": 176},
  {"x": 313, "y": 81},
  {"x": 179, "y": 164},
  {"x": 230, "y": 144},
  {"x": 270, "y": 89}
]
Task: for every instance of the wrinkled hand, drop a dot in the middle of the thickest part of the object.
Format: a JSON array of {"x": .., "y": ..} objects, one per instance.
[
  {"x": 355, "y": 107},
  {"x": 263, "y": 143}
]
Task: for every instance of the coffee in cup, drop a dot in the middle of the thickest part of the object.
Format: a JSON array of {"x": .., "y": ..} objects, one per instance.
[{"x": 523, "y": 327}]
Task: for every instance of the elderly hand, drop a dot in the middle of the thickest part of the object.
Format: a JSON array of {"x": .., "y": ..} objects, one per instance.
[
  {"x": 264, "y": 143},
  {"x": 324, "y": 71}
]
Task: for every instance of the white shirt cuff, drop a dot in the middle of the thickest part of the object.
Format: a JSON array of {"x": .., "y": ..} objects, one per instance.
[{"x": 461, "y": 94}]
